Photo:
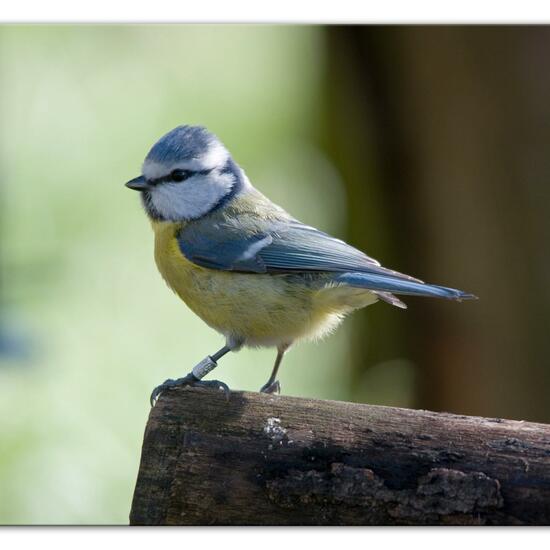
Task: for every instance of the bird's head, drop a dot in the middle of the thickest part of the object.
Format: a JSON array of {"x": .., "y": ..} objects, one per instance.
[{"x": 187, "y": 174}]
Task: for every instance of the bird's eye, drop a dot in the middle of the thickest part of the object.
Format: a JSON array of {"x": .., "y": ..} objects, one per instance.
[{"x": 179, "y": 175}]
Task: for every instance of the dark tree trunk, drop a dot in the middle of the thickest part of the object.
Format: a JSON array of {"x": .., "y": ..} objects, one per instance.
[{"x": 451, "y": 125}]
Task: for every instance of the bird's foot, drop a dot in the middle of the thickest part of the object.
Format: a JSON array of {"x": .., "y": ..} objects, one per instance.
[
  {"x": 171, "y": 383},
  {"x": 188, "y": 380},
  {"x": 271, "y": 387}
]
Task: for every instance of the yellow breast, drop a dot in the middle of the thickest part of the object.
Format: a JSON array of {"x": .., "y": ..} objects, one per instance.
[{"x": 264, "y": 310}]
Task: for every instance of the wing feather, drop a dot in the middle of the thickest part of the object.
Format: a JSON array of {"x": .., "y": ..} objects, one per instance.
[{"x": 283, "y": 246}]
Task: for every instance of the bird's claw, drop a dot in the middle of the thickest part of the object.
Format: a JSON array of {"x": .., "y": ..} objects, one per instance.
[
  {"x": 271, "y": 387},
  {"x": 188, "y": 380},
  {"x": 168, "y": 384},
  {"x": 217, "y": 384}
]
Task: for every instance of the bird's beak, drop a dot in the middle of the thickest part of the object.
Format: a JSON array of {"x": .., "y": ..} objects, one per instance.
[{"x": 138, "y": 184}]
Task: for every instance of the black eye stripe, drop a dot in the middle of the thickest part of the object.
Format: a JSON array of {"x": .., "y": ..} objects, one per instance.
[{"x": 187, "y": 174}]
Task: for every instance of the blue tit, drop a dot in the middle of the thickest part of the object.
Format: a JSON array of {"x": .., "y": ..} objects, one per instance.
[{"x": 244, "y": 265}]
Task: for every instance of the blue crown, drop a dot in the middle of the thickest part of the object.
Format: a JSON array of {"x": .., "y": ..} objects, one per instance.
[{"x": 182, "y": 143}]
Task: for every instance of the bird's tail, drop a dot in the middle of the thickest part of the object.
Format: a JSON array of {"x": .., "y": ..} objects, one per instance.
[{"x": 387, "y": 283}]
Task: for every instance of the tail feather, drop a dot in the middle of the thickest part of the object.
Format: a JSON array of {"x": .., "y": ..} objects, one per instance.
[
  {"x": 385, "y": 284},
  {"x": 389, "y": 298}
]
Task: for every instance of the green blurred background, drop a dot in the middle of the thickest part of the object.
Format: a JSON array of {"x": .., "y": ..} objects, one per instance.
[{"x": 427, "y": 147}]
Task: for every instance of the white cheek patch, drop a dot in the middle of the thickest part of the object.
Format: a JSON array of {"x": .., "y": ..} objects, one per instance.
[{"x": 192, "y": 198}]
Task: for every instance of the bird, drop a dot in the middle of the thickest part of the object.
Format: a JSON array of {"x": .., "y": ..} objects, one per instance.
[{"x": 246, "y": 267}]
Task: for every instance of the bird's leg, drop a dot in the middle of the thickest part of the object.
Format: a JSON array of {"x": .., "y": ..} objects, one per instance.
[
  {"x": 272, "y": 385},
  {"x": 194, "y": 378}
]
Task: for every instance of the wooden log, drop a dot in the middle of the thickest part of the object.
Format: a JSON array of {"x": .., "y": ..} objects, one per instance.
[{"x": 275, "y": 460}]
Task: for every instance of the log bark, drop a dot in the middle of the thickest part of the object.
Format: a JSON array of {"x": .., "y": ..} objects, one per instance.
[{"x": 272, "y": 460}]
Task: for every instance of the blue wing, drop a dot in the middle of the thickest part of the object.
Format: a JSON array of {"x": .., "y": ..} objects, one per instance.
[{"x": 288, "y": 246}]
